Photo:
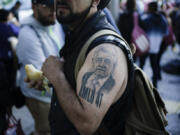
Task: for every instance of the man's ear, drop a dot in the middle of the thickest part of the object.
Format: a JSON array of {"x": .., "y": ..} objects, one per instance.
[
  {"x": 34, "y": 8},
  {"x": 95, "y": 3}
]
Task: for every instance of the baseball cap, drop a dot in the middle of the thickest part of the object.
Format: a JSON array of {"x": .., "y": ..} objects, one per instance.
[{"x": 46, "y": 2}]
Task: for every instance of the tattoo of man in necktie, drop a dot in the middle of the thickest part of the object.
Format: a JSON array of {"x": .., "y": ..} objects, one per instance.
[{"x": 100, "y": 80}]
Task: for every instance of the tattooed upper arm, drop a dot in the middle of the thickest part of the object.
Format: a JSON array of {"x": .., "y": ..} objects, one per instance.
[{"x": 99, "y": 80}]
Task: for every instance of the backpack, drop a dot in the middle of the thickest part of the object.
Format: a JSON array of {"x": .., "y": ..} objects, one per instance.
[
  {"x": 147, "y": 114},
  {"x": 139, "y": 37}
]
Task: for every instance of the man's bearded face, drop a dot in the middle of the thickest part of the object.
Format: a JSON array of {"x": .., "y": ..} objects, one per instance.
[{"x": 68, "y": 11}]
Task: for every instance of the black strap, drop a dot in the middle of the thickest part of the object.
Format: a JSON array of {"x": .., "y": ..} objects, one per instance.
[{"x": 37, "y": 34}]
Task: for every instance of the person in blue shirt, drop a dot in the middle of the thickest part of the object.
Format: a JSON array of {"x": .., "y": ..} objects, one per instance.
[
  {"x": 111, "y": 19},
  {"x": 156, "y": 27}
]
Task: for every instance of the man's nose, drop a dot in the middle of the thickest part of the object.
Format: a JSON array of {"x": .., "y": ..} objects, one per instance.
[{"x": 102, "y": 62}]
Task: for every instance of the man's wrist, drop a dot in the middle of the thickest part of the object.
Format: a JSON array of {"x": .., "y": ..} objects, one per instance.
[{"x": 58, "y": 78}]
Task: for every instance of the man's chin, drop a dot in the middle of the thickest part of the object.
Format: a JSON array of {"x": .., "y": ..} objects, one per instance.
[
  {"x": 53, "y": 22},
  {"x": 49, "y": 23}
]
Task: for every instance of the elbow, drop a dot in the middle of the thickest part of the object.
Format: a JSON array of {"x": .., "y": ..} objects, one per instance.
[{"x": 86, "y": 128}]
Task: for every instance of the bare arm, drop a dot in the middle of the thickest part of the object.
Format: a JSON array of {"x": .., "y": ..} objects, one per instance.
[{"x": 100, "y": 83}]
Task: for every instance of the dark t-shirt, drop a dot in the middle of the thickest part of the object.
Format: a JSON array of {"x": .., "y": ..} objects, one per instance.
[
  {"x": 6, "y": 54},
  {"x": 126, "y": 24},
  {"x": 7, "y": 72},
  {"x": 5, "y": 33},
  {"x": 60, "y": 125}
]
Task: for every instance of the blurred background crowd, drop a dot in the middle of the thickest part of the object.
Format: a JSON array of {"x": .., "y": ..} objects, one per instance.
[{"x": 158, "y": 19}]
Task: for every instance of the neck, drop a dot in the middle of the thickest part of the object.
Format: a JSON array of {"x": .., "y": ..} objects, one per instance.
[{"x": 75, "y": 25}]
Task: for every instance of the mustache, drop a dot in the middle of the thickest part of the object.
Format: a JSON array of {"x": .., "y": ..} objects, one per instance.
[{"x": 102, "y": 68}]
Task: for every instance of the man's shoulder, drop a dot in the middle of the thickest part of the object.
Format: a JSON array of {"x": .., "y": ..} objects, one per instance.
[
  {"x": 109, "y": 39},
  {"x": 28, "y": 25},
  {"x": 27, "y": 36},
  {"x": 29, "y": 22},
  {"x": 26, "y": 32}
]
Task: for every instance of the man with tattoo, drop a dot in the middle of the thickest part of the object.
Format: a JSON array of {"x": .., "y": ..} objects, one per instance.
[{"x": 101, "y": 93}]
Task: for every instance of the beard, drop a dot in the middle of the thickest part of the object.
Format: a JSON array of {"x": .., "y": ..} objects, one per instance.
[
  {"x": 44, "y": 20},
  {"x": 71, "y": 17}
]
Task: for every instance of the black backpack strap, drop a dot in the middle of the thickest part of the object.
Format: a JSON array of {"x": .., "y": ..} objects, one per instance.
[{"x": 37, "y": 34}]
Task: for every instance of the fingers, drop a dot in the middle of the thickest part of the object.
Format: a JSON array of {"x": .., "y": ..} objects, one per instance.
[
  {"x": 26, "y": 80},
  {"x": 34, "y": 84},
  {"x": 38, "y": 85},
  {"x": 29, "y": 82}
]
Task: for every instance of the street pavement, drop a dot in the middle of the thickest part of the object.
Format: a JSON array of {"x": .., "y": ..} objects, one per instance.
[{"x": 169, "y": 88}]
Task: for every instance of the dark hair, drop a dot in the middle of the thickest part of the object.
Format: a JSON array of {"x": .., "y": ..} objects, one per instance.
[
  {"x": 103, "y": 4},
  {"x": 153, "y": 6},
  {"x": 131, "y": 4},
  {"x": 4, "y": 15},
  {"x": 18, "y": 3}
]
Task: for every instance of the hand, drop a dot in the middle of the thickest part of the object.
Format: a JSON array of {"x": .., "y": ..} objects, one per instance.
[
  {"x": 34, "y": 84},
  {"x": 53, "y": 67}
]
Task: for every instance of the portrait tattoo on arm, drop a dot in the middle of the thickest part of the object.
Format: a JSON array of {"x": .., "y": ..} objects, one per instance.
[{"x": 100, "y": 81}]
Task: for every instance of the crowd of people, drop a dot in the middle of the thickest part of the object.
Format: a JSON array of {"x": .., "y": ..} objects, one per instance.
[
  {"x": 51, "y": 40},
  {"x": 161, "y": 27}
]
